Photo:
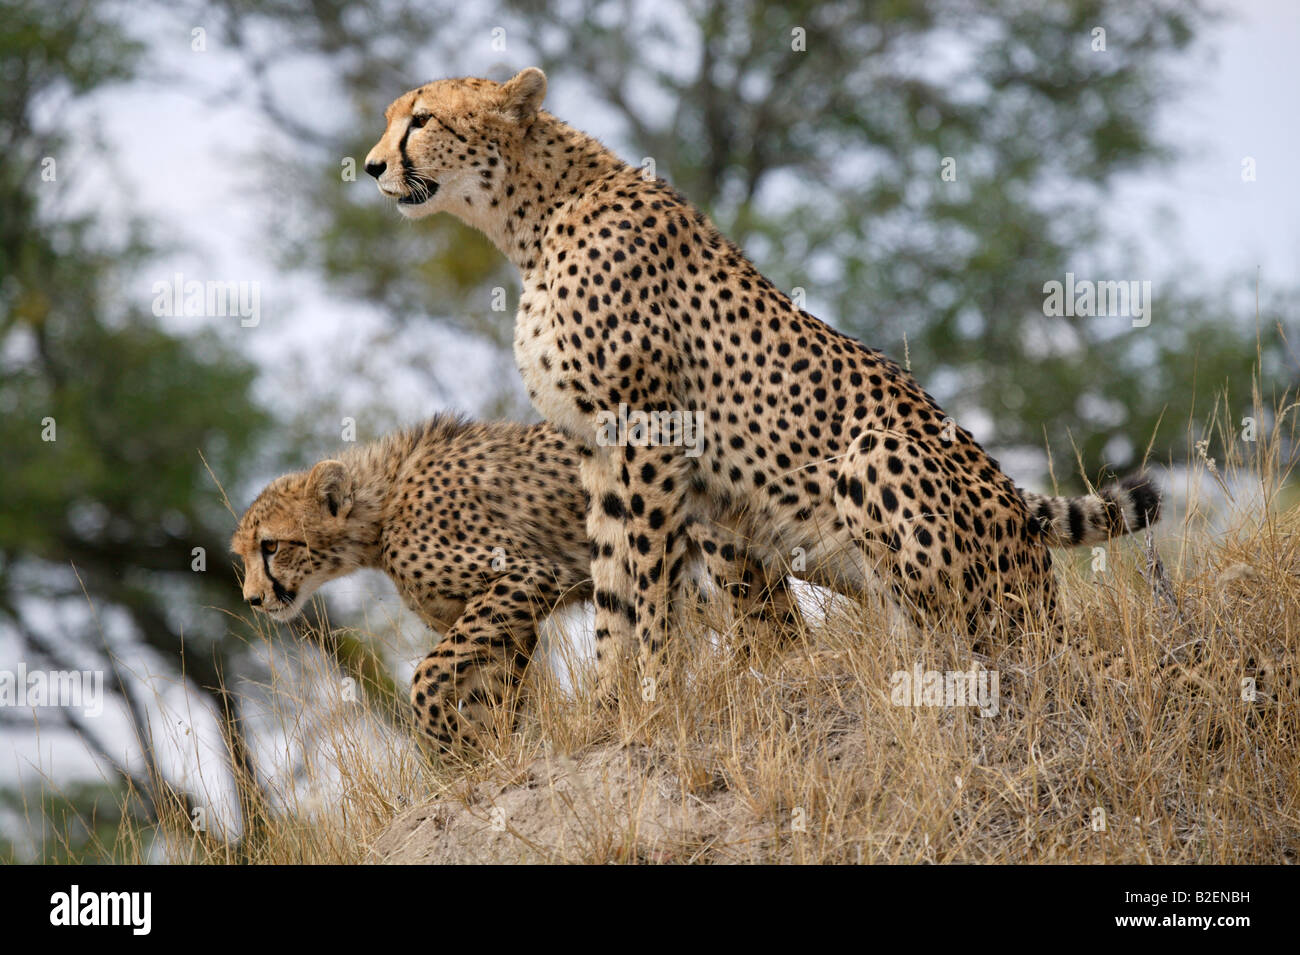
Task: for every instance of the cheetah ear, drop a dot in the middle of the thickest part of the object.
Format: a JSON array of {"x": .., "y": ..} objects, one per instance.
[
  {"x": 331, "y": 485},
  {"x": 521, "y": 96}
]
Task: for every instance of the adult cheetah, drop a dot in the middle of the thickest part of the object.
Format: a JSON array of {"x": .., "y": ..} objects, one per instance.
[
  {"x": 481, "y": 527},
  {"x": 820, "y": 455}
]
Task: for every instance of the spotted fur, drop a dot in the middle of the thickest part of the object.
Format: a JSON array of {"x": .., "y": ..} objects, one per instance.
[
  {"x": 1124, "y": 508},
  {"x": 481, "y": 526}
]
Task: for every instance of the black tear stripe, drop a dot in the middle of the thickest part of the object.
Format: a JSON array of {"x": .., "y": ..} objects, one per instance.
[
  {"x": 282, "y": 595},
  {"x": 407, "y": 168}
]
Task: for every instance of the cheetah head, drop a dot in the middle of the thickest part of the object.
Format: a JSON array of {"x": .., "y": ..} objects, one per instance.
[
  {"x": 447, "y": 144},
  {"x": 295, "y": 537}
]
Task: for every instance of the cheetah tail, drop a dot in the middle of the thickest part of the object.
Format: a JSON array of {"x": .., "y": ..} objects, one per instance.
[{"x": 1122, "y": 508}]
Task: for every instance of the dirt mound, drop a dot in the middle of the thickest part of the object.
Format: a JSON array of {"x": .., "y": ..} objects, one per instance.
[{"x": 611, "y": 804}]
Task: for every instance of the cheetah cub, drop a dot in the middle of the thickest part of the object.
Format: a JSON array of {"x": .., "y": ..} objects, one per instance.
[
  {"x": 820, "y": 456},
  {"x": 481, "y": 527},
  {"x": 477, "y": 524}
]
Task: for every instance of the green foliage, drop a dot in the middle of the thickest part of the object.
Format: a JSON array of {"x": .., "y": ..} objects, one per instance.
[
  {"x": 104, "y": 414},
  {"x": 129, "y": 405},
  {"x": 132, "y": 408}
]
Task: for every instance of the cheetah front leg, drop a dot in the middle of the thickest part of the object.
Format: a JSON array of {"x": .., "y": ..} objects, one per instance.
[
  {"x": 635, "y": 525},
  {"x": 656, "y": 479},
  {"x": 610, "y": 574},
  {"x": 482, "y": 656}
]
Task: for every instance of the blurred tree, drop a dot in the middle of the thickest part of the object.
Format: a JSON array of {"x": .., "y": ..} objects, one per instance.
[
  {"x": 104, "y": 415},
  {"x": 920, "y": 167}
]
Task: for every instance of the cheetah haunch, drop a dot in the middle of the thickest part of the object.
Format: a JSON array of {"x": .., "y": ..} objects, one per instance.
[{"x": 820, "y": 455}]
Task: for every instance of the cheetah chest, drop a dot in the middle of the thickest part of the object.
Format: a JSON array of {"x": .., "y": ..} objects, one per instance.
[{"x": 546, "y": 366}]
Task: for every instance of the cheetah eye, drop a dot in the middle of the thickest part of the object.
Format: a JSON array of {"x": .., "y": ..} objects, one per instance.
[
  {"x": 418, "y": 120},
  {"x": 269, "y": 547}
]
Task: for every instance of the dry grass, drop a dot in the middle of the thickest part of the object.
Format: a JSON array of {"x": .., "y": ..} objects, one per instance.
[{"x": 804, "y": 758}]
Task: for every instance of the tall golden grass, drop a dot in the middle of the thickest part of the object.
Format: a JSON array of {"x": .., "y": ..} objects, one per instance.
[{"x": 802, "y": 756}]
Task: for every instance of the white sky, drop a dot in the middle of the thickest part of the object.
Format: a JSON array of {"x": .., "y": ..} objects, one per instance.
[{"x": 1239, "y": 103}]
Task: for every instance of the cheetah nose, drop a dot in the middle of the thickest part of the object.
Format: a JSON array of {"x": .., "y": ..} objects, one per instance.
[
  {"x": 255, "y": 601},
  {"x": 376, "y": 167}
]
